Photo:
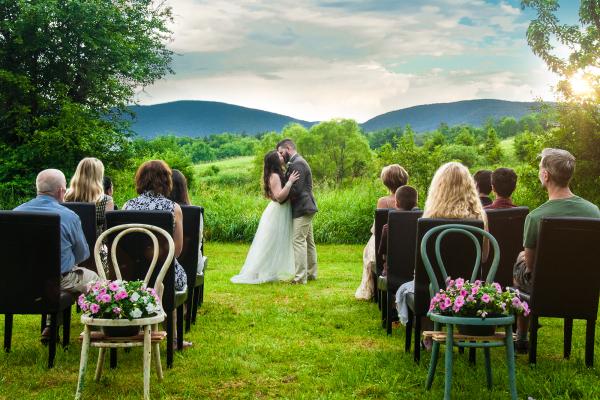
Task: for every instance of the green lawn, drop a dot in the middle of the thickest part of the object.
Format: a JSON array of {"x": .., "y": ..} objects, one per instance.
[{"x": 296, "y": 342}]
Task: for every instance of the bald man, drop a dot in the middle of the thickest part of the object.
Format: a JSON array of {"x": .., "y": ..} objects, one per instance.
[{"x": 51, "y": 186}]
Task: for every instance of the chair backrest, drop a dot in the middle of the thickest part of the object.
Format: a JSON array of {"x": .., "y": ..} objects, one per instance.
[
  {"x": 191, "y": 242},
  {"x": 440, "y": 233},
  {"x": 135, "y": 251},
  {"x": 87, "y": 215},
  {"x": 381, "y": 217},
  {"x": 402, "y": 244},
  {"x": 566, "y": 274},
  {"x": 458, "y": 254},
  {"x": 506, "y": 226},
  {"x": 30, "y": 267},
  {"x": 121, "y": 231}
]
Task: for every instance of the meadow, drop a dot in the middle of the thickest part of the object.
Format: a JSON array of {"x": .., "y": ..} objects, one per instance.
[{"x": 291, "y": 342}]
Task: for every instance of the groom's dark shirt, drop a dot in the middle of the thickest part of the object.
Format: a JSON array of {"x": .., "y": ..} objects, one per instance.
[{"x": 301, "y": 196}]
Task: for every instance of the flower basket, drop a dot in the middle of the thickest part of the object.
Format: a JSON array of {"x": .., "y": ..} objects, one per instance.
[
  {"x": 476, "y": 330},
  {"x": 120, "y": 300},
  {"x": 462, "y": 298},
  {"x": 121, "y": 331}
]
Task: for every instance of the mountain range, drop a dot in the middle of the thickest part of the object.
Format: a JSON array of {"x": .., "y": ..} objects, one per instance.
[{"x": 202, "y": 118}]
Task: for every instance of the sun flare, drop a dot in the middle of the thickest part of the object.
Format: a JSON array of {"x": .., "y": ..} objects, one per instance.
[{"x": 580, "y": 86}]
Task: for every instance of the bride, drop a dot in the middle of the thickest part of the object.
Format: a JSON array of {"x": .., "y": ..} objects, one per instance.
[{"x": 271, "y": 255}]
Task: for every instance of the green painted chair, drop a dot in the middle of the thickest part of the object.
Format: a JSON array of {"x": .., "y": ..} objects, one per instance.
[{"x": 449, "y": 337}]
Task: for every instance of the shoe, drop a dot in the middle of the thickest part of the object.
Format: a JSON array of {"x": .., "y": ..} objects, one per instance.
[
  {"x": 45, "y": 338},
  {"x": 427, "y": 344},
  {"x": 295, "y": 282},
  {"x": 522, "y": 346},
  {"x": 312, "y": 278}
]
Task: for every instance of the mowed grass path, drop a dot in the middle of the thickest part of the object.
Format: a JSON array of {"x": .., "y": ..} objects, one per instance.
[{"x": 288, "y": 341}]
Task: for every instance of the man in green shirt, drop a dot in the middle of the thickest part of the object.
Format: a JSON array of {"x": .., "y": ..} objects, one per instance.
[{"x": 556, "y": 169}]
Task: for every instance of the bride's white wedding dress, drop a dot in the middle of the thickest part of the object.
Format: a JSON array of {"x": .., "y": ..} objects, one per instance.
[{"x": 271, "y": 255}]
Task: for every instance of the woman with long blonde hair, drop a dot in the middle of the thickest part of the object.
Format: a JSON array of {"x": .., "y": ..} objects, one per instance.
[
  {"x": 87, "y": 186},
  {"x": 452, "y": 194}
]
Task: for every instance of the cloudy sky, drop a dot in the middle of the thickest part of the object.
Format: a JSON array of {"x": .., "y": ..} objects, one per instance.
[{"x": 323, "y": 59}]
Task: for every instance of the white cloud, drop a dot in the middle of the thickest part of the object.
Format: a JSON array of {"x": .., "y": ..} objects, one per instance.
[{"x": 315, "y": 62}]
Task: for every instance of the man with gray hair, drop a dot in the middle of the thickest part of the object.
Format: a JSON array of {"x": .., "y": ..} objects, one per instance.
[
  {"x": 51, "y": 186},
  {"x": 556, "y": 170}
]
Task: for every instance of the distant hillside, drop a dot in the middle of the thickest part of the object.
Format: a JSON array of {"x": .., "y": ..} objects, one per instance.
[
  {"x": 428, "y": 117},
  {"x": 202, "y": 118}
]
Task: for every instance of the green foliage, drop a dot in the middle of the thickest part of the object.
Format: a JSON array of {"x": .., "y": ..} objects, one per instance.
[
  {"x": 66, "y": 71},
  {"x": 491, "y": 148},
  {"x": 336, "y": 150},
  {"x": 379, "y": 138}
]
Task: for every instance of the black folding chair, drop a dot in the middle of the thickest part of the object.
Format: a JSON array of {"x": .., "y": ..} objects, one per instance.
[
  {"x": 566, "y": 279},
  {"x": 30, "y": 248},
  {"x": 506, "y": 225},
  {"x": 401, "y": 245},
  {"x": 189, "y": 257}
]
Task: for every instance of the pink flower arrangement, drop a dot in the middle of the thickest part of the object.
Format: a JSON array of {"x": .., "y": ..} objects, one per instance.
[
  {"x": 119, "y": 299},
  {"x": 463, "y": 298}
]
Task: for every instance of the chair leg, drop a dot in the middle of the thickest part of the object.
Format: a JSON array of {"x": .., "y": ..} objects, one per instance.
[
  {"x": 408, "y": 332},
  {"x": 510, "y": 361},
  {"x": 201, "y": 295},
  {"x": 383, "y": 308},
  {"x": 472, "y": 355},
  {"x": 113, "y": 358},
  {"x": 568, "y": 332},
  {"x": 180, "y": 327},
  {"x": 85, "y": 347},
  {"x": 8, "y": 325},
  {"x": 156, "y": 356},
  {"x": 488, "y": 366},
  {"x": 189, "y": 305},
  {"x": 66, "y": 327},
  {"x": 448, "y": 360},
  {"x": 590, "y": 333},
  {"x": 147, "y": 361},
  {"x": 533, "y": 339},
  {"x": 435, "y": 351},
  {"x": 100, "y": 364},
  {"x": 195, "y": 304},
  {"x": 417, "y": 355},
  {"x": 169, "y": 322},
  {"x": 389, "y": 311},
  {"x": 52, "y": 342}
]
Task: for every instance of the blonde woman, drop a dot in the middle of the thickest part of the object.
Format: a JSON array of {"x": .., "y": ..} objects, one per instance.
[
  {"x": 452, "y": 194},
  {"x": 87, "y": 186},
  {"x": 393, "y": 176}
]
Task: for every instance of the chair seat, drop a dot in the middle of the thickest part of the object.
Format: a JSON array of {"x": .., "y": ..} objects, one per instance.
[
  {"x": 382, "y": 283},
  {"x": 440, "y": 336},
  {"x": 180, "y": 297},
  {"x": 199, "y": 280},
  {"x": 99, "y": 339}
]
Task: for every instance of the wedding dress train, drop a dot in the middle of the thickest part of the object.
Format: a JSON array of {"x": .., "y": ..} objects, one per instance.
[{"x": 271, "y": 255}]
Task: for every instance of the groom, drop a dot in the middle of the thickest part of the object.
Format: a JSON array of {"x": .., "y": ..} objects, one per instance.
[{"x": 304, "y": 208}]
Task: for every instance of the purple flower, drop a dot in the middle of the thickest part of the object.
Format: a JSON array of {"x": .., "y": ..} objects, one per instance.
[
  {"x": 516, "y": 302},
  {"x": 117, "y": 310},
  {"x": 474, "y": 290},
  {"x": 94, "y": 308},
  {"x": 84, "y": 306},
  {"x": 485, "y": 298},
  {"x": 477, "y": 283},
  {"x": 450, "y": 283},
  {"x": 459, "y": 283},
  {"x": 497, "y": 286},
  {"x": 121, "y": 294},
  {"x": 105, "y": 298},
  {"x": 458, "y": 303},
  {"x": 114, "y": 286},
  {"x": 463, "y": 293},
  {"x": 525, "y": 308},
  {"x": 470, "y": 298}
]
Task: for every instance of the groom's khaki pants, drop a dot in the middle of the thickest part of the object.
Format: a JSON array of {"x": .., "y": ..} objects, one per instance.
[{"x": 305, "y": 252}]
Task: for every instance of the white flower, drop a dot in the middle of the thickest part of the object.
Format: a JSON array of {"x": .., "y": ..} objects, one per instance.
[
  {"x": 150, "y": 308},
  {"x": 134, "y": 297},
  {"x": 136, "y": 313}
]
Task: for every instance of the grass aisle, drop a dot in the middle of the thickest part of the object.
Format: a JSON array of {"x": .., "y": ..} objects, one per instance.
[{"x": 288, "y": 341}]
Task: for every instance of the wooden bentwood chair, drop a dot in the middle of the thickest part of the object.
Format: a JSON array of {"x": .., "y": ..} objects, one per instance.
[
  {"x": 449, "y": 337},
  {"x": 151, "y": 337}
]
